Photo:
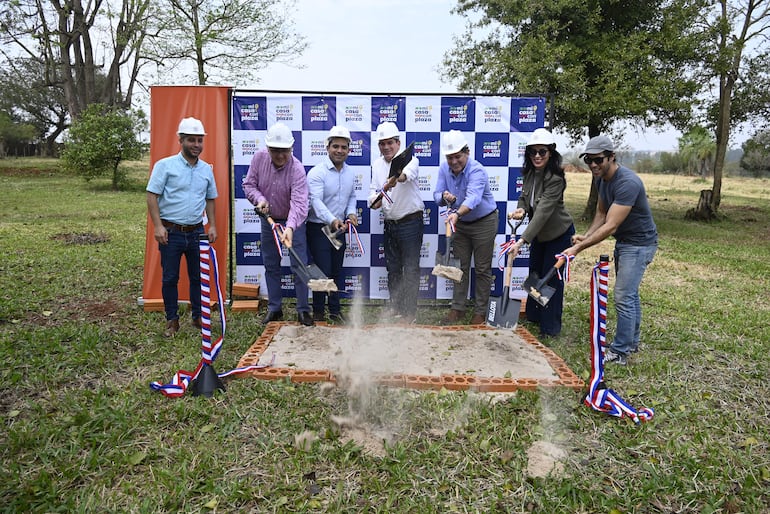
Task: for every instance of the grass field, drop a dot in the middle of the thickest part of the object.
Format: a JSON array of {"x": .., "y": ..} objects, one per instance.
[{"x": 84, "y": 433}]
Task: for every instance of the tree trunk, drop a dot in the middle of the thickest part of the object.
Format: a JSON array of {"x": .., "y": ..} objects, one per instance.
[{"x": 703, "y": 212}]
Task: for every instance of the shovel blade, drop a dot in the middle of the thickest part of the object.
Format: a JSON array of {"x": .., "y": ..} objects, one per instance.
[
  {"x": 542, "y": 295},
  {"x": 332, "y": 237},
  {"x": 503, "y": 312}
]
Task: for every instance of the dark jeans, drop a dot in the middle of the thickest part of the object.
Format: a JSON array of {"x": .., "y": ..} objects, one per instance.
[
  {"x": 541, "y": 259},
  {"x": 403, "y": 241},
  {"x": 180, "y": 243},
  {"x": 271, "y": 258},
  {"x": 329, "y": 260}
]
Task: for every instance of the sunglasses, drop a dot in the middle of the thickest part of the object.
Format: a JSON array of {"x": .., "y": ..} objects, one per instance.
[
  {"x": 594, "y": 160},
  {"x": 542, "y": 152}
]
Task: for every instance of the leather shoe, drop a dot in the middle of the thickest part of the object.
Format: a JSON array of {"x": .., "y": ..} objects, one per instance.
[
  {"x": 319, "y": 316},
  {"x": 172, "y": 327},
  {"x": 305, "y": 318},
  {"x": 196, "y": 322},
  {"x": 478, "y": 319},
  {"x": 337, "y": 318},
  {"x": 272, "y": 316},
  {"x": 452, "y": 318}
]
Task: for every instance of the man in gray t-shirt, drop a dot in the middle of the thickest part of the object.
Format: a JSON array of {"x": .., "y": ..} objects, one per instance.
[{"x": 623, "y": 212}]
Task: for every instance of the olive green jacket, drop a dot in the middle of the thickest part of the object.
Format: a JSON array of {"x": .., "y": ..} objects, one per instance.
[{"x": 549, "y": 218}]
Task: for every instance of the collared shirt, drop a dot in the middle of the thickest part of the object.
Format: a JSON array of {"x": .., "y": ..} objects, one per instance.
[
  {"x": 406, "y": 195},
  {"x": 470, "y": 186},
  {"x": 332, "y": 193},
  {"x": 284, "y": 189},
  {"x": 182, "y": 189}
]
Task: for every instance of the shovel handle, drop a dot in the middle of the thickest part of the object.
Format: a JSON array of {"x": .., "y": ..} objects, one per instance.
[
  {"x": 271, "y": 222},
  {"x": 448, "y": 231}
]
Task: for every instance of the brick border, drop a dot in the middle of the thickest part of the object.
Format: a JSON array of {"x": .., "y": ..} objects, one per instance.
[{"x": 567, "y": 377}]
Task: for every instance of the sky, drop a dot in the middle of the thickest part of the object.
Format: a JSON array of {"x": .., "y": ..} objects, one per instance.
[{"x": 394, "y": 46}]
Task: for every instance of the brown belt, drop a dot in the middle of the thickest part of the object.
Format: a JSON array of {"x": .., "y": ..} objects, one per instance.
[{"x": 181, "y": 228}]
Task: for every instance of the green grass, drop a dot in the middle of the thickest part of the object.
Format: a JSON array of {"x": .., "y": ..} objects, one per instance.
[{"x": 83, "y": 431}]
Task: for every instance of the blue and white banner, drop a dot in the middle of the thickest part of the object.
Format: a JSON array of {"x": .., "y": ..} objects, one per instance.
[{"x": 496, "y": 127}]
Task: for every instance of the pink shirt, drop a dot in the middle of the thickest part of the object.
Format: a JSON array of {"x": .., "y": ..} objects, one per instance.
[{"x": 284, "y": 189}]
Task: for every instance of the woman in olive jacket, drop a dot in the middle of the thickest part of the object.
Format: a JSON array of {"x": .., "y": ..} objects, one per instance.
[{"x": 550, "y": 227}]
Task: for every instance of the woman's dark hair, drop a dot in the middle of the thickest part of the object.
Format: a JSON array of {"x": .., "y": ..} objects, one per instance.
[{"x": 553, "y": 166}]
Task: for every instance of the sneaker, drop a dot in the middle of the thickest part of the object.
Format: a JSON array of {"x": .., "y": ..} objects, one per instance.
[
  {"x": 337, "y": 318},
  {"x": 614, "y": 357}
]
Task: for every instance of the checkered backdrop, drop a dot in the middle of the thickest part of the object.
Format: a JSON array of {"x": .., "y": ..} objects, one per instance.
[{"x": 496, "y": 127}]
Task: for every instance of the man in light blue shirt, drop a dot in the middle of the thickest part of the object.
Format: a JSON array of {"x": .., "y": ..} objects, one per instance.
[
  {"x": 463, "y": 187},
  {"x": 332, "y": 202},
  {"x": 180, "y": 189}
]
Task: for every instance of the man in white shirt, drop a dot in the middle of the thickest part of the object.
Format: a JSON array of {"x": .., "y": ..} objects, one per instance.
[{"x": 403, "y": 210}]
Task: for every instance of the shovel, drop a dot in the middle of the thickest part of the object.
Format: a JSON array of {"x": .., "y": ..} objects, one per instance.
[
  {"x": 397, "y": 165},
  {"x": 503, "y": 312},
  {"x": 446, "y": 265},
  {"x": 309, "y": 274},
  {"x": 537, "y": 287},
  {"x": 333, "y": 236}
]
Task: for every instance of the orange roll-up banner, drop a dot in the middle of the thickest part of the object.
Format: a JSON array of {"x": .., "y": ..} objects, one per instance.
[{"x": 168, "y": 105}]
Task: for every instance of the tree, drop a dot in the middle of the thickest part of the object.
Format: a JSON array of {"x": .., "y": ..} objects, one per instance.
[
  {"x": 756, "y": 154},
  {"x": 24, "y": 91},
  {"x": 738, "y": 61},
  {"x": 12, "y": 132},
  {"x": 697, "y": 148},
  {"x": 65, "y": 37},
  {"x": 100, "y": 139},
  {"x": 230, "y": 39},
  {"x": 605, "y": 60}
]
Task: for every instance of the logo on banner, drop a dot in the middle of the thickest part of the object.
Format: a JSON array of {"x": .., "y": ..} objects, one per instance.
[
  {"x": 356, "y": 148},
  {"x": 249, "y": 112},
  {"x": 494, "y": 183},
  {"x": 249, "y": 147},
  {"x": 354, "y": 113},
  {"x": 249, "y": 216},
  {"x": 318, "y": 148},
  {"x": 423, "y": 114},
  {"x": 319, "y": 113},
  {"x": 424, "y": 182},
  {"x": 352, "y": 251},
  {"x": 252, "y": 249},
  {"x": 354, "y": 283},
  {"x": 458, "y": 114},
  {"x": 519, "y": 184},
  {"x": 358, "y": 187},
  {"x": 284, "y": 112},
  {"x": 493, "y": 114},
  {"x": 528, "y": 114},
  {"x": 287, "y": 282},
  {"x": 425, "y": 250},
  {"x": 382, "y": 283},
  {"x": 387, "y": 108},
  {"x": 492, "y": 149},
  {"x": 389, "y": 113},
  {"x": 252, "y": 278}
]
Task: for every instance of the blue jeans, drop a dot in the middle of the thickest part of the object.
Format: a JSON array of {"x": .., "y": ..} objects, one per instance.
[
  {"x": 329, "y": 260},
  {"x": 402, "y": 241},
  {"x": 541, "y": 260},
  {"x": 271, "y": 258},
  {"x": 180, "y": 243},
  {"x": 630, "y": 264}
]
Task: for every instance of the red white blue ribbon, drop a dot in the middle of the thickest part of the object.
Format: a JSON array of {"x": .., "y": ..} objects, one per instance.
[
  {"x": 566, "y": 267},
  {"x": 600, "y": 397},
  {"x": 209, "y": 351},
  {"x": 353, "y": 233}
]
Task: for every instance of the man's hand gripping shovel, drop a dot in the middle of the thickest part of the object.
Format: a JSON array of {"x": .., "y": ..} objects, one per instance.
[{"x": 309, "y": 274}]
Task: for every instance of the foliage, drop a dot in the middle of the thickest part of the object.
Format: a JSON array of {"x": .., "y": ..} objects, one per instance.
[
  {"x": 12, "y": 132},
  {"x": 697, "y": 148},
  {"x": 604, "y": 60},
  {"x": 65, "y": 38},
  {"x": 83, "y": 432},
  {"x": 25, "y": 91},
  {"x": 756, "y": 154},
  {"x": 100, "y": 139},
  {"x": 229, "y": 39}
]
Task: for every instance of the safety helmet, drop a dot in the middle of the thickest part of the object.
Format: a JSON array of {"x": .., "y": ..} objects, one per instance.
[
  {"x": 337, "y": 131},
  {"x": 387, "y": 130},
  {"x": 279, "y": 136},
  {"x": 541, "y": 136},
  {"x": 453, "y": 142},
  {"x": 191, "y": 127}
]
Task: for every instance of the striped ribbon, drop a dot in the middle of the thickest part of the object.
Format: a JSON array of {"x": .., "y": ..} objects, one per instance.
[
  {"x": 353, "y": 234},
  {"x": 209, "y": 351},
  {"x": 599, "y": 397},
  {"x": 566, "y": 267},
  {"x": 445, "y": 213},
  {"x": 385, "y": 194}
]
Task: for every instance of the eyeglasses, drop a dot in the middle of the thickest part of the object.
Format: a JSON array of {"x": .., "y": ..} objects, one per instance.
[
  {"x": 594, "y": 160},
  {"x": 542, "y": 152}
]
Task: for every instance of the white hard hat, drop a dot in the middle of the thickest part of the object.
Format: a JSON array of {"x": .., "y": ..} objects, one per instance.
[
  {"x": 453, "y": 142},
  {"x": 191, "y": 127},
  {"x": 279, "y": 136},
  {"x": 387, "y": 130},
  {"x": 541, "y": 136},
  {"x": 338, "y": 131}
]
